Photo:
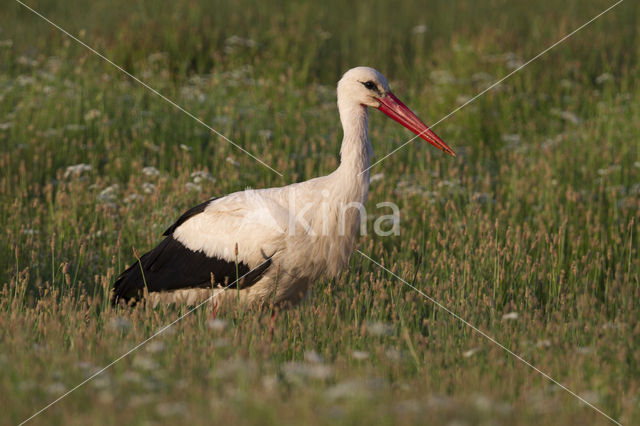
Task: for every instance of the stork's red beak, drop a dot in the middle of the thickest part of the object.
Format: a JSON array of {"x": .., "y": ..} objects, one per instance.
[{"x": 395, "y": 109}]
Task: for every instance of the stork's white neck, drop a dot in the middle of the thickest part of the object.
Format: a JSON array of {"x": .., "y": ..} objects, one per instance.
[{"x": 355, "y": 152}]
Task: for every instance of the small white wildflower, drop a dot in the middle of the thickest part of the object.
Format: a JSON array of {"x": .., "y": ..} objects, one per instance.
[
  {"x": 232, "y": 367},
  {"x": 92, "y": 114},
  {"x": 150, "y": 171},
  {"x": 6, "y": 126},
  {"x": 408, "y": 406},
  {"x": 360, "y": 355},
  {"x": 313, "y": 357},
  {"x": 481, "y": 197},
  {"x": 152, "y": 147},
  {"x": 604, "y": 78},
  {"x": 393, "y": 354},
  {"x": 133, "y": 197},
  {"x": 376, "y": 177},
  {"x": 265, "y": 134},
  {"x": 217, "y": 324},
  {"x": 167, "y": 409},
  {"x": 566, "y": 115},
  {"x": 24, "y": 80},
  {"x": 592, "y": 397},
  {"x": 442, "y": 77},
  {"x": 29, "y": 231},
  {"x": 185, "y": 147},
  {"x": 86, "y": 365},
  {"x": 144, "y": 363},
  {"x": 148, "y": 188},
  {"x": 420, "y": 29},
  {"x": 607, "y": 171},
  {"x": 514, "y": 63},
  {"x": 270, "y": 383},
  {"x": 235, "y": 40},
  {"x": 411, "y": 189},
  {"x": 481, "y": 76},
  {"x": 296, "y": 371},
  {"x": 584, "y": 350},
  {"x": 324, "y": 35},
  {"x": 200, "y": 175},
  {"x": 165, "y": 331},
  {"x": 348, "y": 389},
  {"x": 75, "y": 127},
  {"x": 448, "y": 183},
  {"x": 511, "y": 138},
  {"x": 157, "y": 56},
  {"x": 510, "y": 316},
  {"x": 470, "y": 352},
  {"x": 51, "y": 133},
  {"x": 192, "y": 93},
  {"x": 119, "y": 324},
  {"x": 440, "y": 402},
  {"x": 482, "y": 402},
  {"x": 54, "y": 64},
  {"x": 565, "y": 83},
  {"x": 56, "y": 388},
  {"x": 155, "y": 346},
  {"x": 636, "y": 164},
  {"x": 462, "y": 99},
  {"x": 138, "y": 400},
  {"x": 131, "y": 377},
  {"x": 109, "y": 194},
  {"x": 101, "y": 382},
  {"x": 230, "y": 160},
  {"x": 379, "y": 328},
  {"x": 221, "y": 119},
  {"x": 193, "y": 187},
  {"x": 27, "y": 385},
  {"x": 76, "y": 170}
]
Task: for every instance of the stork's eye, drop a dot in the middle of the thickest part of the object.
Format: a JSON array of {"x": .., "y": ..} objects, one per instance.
[{"x": 370, "y": 85}]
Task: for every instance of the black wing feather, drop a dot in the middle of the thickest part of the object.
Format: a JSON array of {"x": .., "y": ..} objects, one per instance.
[{"x": 172, "y": 266}]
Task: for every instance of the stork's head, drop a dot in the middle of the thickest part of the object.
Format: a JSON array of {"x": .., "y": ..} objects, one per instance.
[{"x": 368, "y": 87}]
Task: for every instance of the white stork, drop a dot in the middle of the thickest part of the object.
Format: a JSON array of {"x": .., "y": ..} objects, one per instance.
[{"x": 278, "y": 241}]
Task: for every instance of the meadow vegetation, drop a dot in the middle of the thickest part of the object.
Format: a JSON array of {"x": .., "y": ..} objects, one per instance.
[{"x": 531, "y": 233}]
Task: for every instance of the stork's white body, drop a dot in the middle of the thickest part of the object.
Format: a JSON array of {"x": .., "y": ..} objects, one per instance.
[{"x": 290, "y": 235}]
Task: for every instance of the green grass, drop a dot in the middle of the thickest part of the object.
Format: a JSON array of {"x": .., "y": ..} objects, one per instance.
[{"x": 537, "y": 215}]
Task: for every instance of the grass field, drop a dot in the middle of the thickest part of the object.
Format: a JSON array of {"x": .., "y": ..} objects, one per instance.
[{"x": 531, "y": 233}]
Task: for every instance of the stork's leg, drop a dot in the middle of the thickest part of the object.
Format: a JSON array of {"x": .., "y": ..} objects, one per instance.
[{"x": 214, "y": 314}]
